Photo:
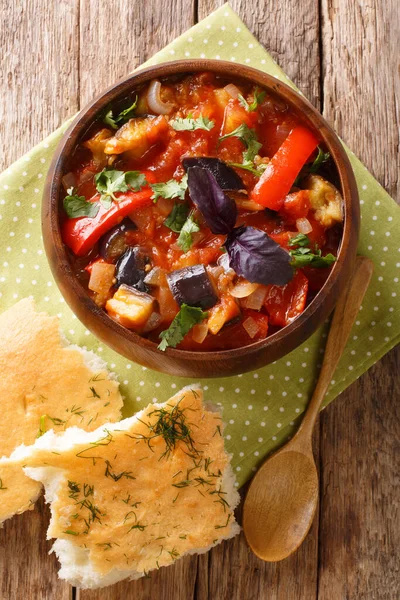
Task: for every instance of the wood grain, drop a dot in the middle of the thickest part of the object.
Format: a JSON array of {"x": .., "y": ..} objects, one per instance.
[
  {"x": 55, "y": 56},
  {"x": 359, "y": 534},
  {"x": 39, "y": 90}
]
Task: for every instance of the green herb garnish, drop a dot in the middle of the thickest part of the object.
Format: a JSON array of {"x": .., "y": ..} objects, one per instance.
[
  {"x": 249, "y": 138},
  {"x": 191, "y": 124},
  {"x": 170, "y": 189},
  {"x": 321, "y": 158},
  {"x": 185, "y": 239},
  {"x": 303, "y": 256},
  {"x": 259, "y": 96},
  {"x": 115, "y": 476},
  {"x": 77, "y": 206},
  {"x": 177, "y": 218},
  {"x": 187, "y": 317},
  {"x": 109, "y": 181},
  {"x": 122, "y": 117}
]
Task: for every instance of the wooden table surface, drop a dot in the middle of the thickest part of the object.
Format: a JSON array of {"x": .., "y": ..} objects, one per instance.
[{"x": 344, "y": 55}]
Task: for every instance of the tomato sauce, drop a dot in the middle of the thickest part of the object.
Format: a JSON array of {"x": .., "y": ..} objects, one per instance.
[{"x": 136, "y": 228}]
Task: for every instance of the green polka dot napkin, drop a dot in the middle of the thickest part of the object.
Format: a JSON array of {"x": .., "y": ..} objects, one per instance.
[{"x": 260, "y": 408}]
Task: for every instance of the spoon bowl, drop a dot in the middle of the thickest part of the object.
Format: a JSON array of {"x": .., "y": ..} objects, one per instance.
[{"x": 280, "y": 517}]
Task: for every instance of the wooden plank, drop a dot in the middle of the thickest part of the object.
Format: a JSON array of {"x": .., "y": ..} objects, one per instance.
[
  {"x": 39, "y": 66},
  {"x": 38, "y": 91},
  {"x": 289, "y": 30},
  {"x": 119, "y": 36},
  {"x": 359, "y": 533}
]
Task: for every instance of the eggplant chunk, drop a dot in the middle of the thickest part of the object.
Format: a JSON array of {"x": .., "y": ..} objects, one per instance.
[
  {"x": 225, "y": 176},
  {"x": 326, "y": 200},
  {"x": 192, "y": 286},
  {"x": 113, "y": 243},
  {"x": 131, "y": 308},
  {"x": 131, "y": 269}
]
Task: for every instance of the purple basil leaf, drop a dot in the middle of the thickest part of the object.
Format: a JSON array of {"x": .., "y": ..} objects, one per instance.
[
  {"x": 218, "y": 210},
  {"x": 225, "y": 176},
  {"x": 255, "y": 256}
]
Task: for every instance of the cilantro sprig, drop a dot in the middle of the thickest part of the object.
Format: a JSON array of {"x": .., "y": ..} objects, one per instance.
[
  {"x": 110, "y": 181},
  {"x": 122, "y": 117},
  {"x": 177, "y": 217},
  {"x": 185, "y": 239},
  {"x": 258, "y": 99},
  {"x": 170, "y": 189},
  {"x": 303, "y": 256},
  {"x": 77, "y": 206},
  {"x": 249, "y": 138},
  {"x": 191, "y": 124},
  {"x": 185, "y": 320}
]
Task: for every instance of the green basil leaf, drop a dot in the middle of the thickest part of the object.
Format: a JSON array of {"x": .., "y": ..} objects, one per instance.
[
  {"x": 177, "y": 218},
  {"x": 187, "y": 317},
  {"x": 299, "y": 240},
  {"x": 185, "y": 239},
  {"x": 77, "y": 206},
  {"x": 190, "y": 124}
]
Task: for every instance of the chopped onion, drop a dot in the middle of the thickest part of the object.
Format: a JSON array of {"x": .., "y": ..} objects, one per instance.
[
  {"x": 154, "y": 99},
  {"x": 232, "y": 90},
  {"x": 256, "y": 299},
  {"x": 101, "y": 277},
  {"x": 69, "y": 181},
  {"x": 251, "y": 327},
  {"x": 303, "y": 225},
  {"x": 243, "y": 288},
  {"x": 199, "y": 332}
]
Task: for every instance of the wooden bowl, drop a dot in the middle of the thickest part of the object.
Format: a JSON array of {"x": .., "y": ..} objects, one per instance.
[{"x": 182, "y": 362}]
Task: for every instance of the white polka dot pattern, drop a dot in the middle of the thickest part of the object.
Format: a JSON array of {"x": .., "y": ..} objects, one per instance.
[{"x": 261, "y": 409}]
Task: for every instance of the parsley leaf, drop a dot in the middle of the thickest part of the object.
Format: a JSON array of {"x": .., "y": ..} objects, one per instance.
[
  {"x": 187, "y": 317},
  {"x": 299, "y": 240},
  {"x": 249, "y": 139},
  {"x": 303, "y": 257},
  {"x": 77, "y": 206},
  {"x": 170, "y": 189},
  {"x": 191, "y": 124},
  {"x": 185, "y": 239},
  {"x": 110, "y": 181},
  {"x": 257, "y": 171},
  {"x": 259, "y": 96},
  {"x": 176, "y": 219},
  {"x": 123, "y": 116}
]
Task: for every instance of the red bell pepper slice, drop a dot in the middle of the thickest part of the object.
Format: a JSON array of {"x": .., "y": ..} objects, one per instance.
[
  {"x": 82, "y": 233},
  {"x": 284, "y": 303},
  {"x": 282, "y": 170}
]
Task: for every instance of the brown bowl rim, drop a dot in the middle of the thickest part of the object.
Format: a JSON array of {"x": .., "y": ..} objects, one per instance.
[{"x": 57, "y": 254}]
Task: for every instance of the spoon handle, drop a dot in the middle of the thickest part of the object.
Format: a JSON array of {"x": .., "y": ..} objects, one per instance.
[{"x": 342, "y": 322}]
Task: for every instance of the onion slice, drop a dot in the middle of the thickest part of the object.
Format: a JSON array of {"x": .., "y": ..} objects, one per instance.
[
  {"x": 232, "y": 90},
  {"x": 251, "y": 326},
  {"x": 243, "y": 288},
  {"x": 69, "y": 181},
  {"x": 199, "y": 332},
  {"x": 154, "y": 101},
  {"x": 304, "y": 226}
]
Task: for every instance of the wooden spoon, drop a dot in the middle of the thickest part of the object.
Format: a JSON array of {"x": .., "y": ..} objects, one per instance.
[{"x": 282, "y": 498}]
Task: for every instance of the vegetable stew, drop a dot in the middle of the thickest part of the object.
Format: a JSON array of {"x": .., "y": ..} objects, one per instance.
[{"x": 201, "y": 213}]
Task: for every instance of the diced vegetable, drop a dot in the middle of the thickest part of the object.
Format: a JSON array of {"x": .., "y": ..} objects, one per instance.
[
  {"x": 130, "y": 308},
  {"x": 304, "y": 226},
  {"x": 114, "y": 243},
  {"x": 137, "y": 136},
  {"x": 154, "y": 101},
  {"x": 326, "y": 201},
  {"x": 282, "y": 170},
  {"x": 224, "y": 175},
  {"x": 226, "y": 310},
  {"x": 199, "y": 332},
  {"x": 81, "y": 234},
  {"x": 156, "y": 277},
  {"x": 97, "y": 144},
  {"x": 153, "y": 322},
  {"x": 192, "y": 286},
  {"x": 285, "y": 303},
  {"x": 296, "y": 205},
  {"x": 243, "y": 288},
  {"x": 101, "y": 281},
  {"x": 251, "y": 326},
  {"x": 187, "y": 317},
  {"x": 256, "y": 300},
  {"x": 131, "y": 269}
]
